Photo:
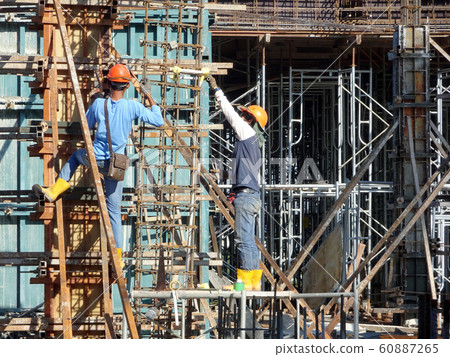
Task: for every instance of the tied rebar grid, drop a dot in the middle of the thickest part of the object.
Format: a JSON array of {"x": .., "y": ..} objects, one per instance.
[
  {"x": 167, "y": 188},
  {"x": 323, "y": 16}
]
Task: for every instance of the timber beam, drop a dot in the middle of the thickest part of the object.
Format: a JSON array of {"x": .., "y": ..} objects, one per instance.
[{"x": 29, "y": 65}]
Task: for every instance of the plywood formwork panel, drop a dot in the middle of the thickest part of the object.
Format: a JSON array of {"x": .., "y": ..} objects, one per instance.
[{"x": 323, "y": 271}]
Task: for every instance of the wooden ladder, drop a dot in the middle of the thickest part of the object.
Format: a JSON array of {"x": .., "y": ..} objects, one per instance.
[{"x": 106, "y": 224}]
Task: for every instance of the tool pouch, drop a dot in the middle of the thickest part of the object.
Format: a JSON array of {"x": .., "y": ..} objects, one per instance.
[{"x": 118, "y": 164}]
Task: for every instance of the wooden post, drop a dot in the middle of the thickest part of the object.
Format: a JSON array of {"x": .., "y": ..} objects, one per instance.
[{"x": 66, "y": 311}]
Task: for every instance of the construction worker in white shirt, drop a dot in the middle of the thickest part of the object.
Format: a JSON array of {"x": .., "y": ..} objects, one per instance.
[{"x": 248, "y": 127}]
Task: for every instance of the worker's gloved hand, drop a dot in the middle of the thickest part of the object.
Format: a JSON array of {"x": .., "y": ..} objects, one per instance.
[
  {"x": 231, "y": 197},
  {"x": 212, "y": 82},
  {"x": 145, "y": 86}
]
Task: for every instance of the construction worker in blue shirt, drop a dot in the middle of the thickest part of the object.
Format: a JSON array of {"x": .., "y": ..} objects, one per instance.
[
  {"x": 246, "y": 163},
  {"x": 122, "y": 113}
]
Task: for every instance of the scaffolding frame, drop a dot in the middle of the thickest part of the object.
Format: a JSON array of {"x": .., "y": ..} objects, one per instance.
[{"x": 357, "y": 209}]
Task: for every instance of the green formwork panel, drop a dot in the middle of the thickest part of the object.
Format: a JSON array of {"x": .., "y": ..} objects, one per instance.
[
  {"x": 9, "y": 294},
  {"x": 31, "y": 240},
  {"x": 18, "y": 232}
]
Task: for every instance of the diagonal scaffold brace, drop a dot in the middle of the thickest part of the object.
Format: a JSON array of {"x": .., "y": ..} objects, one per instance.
[
  {"x": 94, "y": 168},
  {"x": 390, "y": 247}
]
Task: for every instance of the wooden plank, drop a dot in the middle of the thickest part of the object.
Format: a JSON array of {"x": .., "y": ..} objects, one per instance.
[
  {"x": 438, "y": 146},
  {"x": 64, "y": 289},
  {"x": 54, "y": 279},
  {"x": 28, "y": 65},
  {"x": 209, "y": 315},
  {"x": 357, "y": 261},
  {"x": 48, "y": 324},
  {"x": 440, "y": 49},
  {"x": 21, "y": 324},
  {"x": 441, "y": 138},
  {"x": 322, "y": 273},
  {"x": 107, "y": 298},
  {"x": 18, "y": 328},
  {"x": 94, "y": 168},
  {"x": 213, "y": 7},
  {"x": 80, "y": 21},
  {"x": 215, "y": 245},
  {"x": 50, "y": 308}
]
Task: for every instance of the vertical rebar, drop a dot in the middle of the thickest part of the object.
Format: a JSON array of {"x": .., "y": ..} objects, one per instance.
[{"x": 343, "y": 319}]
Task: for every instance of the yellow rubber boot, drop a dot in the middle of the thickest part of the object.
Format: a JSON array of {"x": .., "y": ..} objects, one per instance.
[
  {"x": 119, "y": 253},
  {"x": 52, "y": 193},
  {"x": 246, "y": 277},
  {"x": 256, "y": 279}
]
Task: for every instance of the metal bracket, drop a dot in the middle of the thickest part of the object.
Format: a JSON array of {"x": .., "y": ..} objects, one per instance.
[
  {"x": 43, "y": 268},
  {"x": 41, "y": 8},
  {"x": 40, "y": 130},
  {"x": 445, "y": 165},
  {"x": 42, "y": 64}
]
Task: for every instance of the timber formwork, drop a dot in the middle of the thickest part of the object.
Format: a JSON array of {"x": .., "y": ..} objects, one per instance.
[
  {"x": 84, "y": 292},
  {"x": 47, "y": 84}
]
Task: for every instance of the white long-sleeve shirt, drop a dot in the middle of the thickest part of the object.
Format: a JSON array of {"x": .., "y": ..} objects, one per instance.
[
  {"x": 246, "y": 154},
  {"x": 242, "y": 129}
]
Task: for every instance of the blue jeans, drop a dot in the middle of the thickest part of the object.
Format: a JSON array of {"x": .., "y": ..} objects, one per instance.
[
  {"x": 246, "y": 206},
  {"x": 113, "y": 189}
]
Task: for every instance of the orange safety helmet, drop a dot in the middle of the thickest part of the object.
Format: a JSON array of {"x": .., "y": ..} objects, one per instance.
[
  {"x": 119, "y": 73},
  {"x": 258, "y": 112}
]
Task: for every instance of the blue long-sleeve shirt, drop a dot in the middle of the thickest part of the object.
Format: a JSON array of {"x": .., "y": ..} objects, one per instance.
[{"x": 121, "y": 115}]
